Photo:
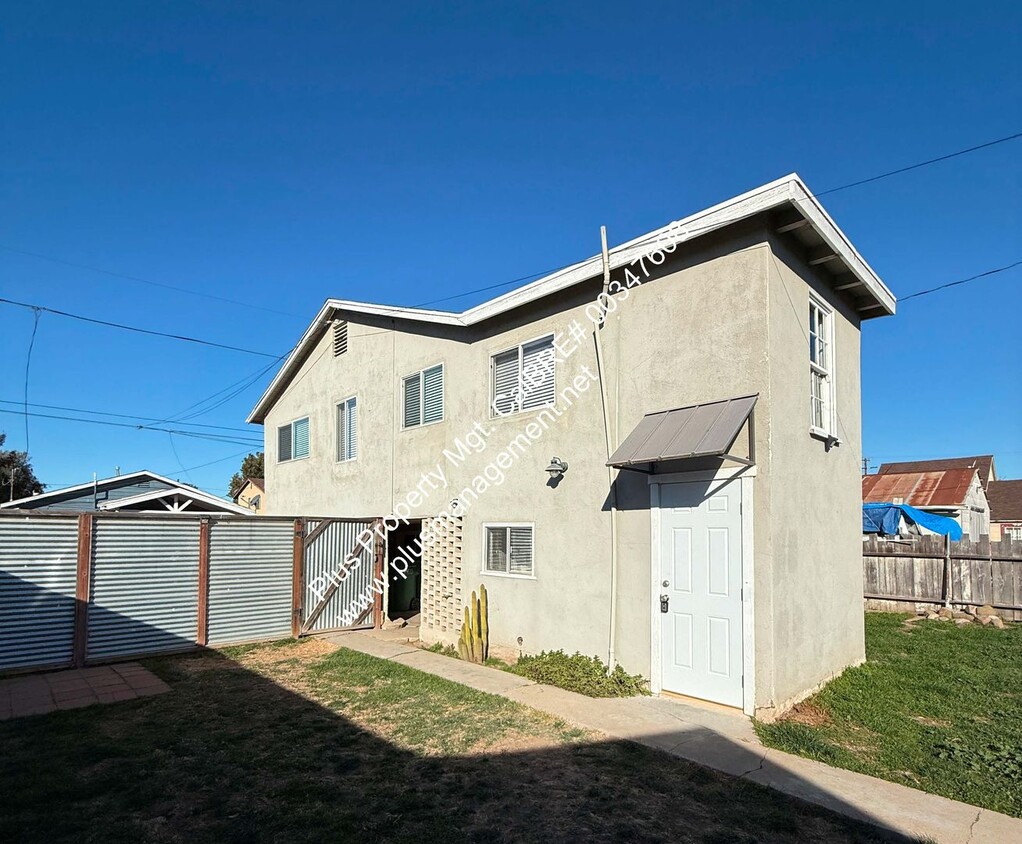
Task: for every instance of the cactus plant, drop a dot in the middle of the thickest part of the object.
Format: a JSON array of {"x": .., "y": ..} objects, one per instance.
[{"x": 474, "y": 643}]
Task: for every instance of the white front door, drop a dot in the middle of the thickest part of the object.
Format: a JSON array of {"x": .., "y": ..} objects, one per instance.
[{"x": 701, "y": 580}]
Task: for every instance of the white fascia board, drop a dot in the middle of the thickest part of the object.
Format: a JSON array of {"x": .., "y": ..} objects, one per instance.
[
  {"x": 187, "y": 492},
  {"x": 98, "y": 484},
  {"x": 789, "y": 189}
]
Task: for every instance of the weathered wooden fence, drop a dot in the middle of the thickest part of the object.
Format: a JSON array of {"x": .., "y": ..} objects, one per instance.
[
  {"x": 931, "y": 571},
  {"x": 96, "y": 587}
]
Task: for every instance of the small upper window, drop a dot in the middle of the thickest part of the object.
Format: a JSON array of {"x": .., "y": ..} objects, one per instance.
[
  {"x": 340, "y": 337},
  {"x": 821, "y": 369},
  {"x": 293, "y": 440},
  {"x": 347, "y": 429},
  {"x": 524, "y": 378},
  {"x": 509, "y": 550},
  {"x": 423, "y": 397}
]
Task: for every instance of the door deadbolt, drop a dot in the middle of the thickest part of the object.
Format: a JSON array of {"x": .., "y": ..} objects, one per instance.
[{"x": 664, "y": 600}]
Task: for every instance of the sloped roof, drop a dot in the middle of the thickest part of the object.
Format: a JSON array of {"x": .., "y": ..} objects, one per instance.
[
  {"x": 787, "y": 192},
  {"x": 946, "y": 488},
  {"x": 982, "y": 463},
  {"x": 101, "y": 485},
  {"x": 1005, "y": 499}
]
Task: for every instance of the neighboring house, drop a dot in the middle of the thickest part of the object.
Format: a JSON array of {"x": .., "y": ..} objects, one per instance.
[
  {"x": 718, "y": 551},
  {"x": 982, "y": 463},
  {"x": 1005, "y": 510},
  {"x": 252, "y": 495},
  {"x": 955, "y": 493},
  {"x": 138, "y": 491}
]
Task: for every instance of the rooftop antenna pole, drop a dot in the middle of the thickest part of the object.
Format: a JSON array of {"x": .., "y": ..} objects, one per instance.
[
  {"x": 95, "y": 493},
  {"x": 14, "y": 471}
]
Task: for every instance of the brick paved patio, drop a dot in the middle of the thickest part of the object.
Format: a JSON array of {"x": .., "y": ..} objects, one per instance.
[{"x": 38, "y": 694}]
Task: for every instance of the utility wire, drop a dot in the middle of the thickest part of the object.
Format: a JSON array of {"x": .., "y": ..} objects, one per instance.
[
  {"x": 692, "y": 230},
  {"x": 139, "y": 280},
  {"x": 960, "y": 281},
  {"x": 195, "y": 434},
  {"x": 129, "y": 416},
  {"x": 136, "y": 329},
  {"x": 28, "y": 363}
]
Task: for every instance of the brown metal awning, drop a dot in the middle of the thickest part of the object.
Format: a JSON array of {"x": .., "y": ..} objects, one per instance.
[{"x": 700, "y": 430}]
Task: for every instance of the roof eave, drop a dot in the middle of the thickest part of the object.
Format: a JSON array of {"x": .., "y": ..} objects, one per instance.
[{"x": 788, "y": 189}]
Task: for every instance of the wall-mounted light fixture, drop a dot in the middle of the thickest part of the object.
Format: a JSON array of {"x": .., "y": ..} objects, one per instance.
[{"x": 557, "y": 467}]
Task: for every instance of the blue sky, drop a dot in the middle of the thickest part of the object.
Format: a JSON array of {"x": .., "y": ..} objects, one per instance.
[{"x": 277, "y": 154}]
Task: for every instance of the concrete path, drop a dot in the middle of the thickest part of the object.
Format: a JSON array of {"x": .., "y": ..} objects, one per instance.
[
  {"x": 722, "y": 741},
  {"x": 38, "y": 694}
]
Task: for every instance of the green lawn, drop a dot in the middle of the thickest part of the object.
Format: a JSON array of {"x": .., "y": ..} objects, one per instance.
[
  {"x": 936, "y": 706},
  {"x": 299, "y": 743}
]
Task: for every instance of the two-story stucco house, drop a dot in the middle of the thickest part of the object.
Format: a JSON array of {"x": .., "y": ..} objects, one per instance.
[{"x": 699, "y": 388}]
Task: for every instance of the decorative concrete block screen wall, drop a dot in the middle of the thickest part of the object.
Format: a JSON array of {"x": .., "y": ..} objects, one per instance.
[
  {"x": 84, "y": 588},
  {"x": 441, "y": 579}
]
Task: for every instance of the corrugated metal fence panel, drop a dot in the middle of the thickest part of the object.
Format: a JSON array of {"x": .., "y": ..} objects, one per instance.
[
  {"x": 323, "y": 557},
  {"x": 251, "y": 564},
  {"x": 38, "y": 565},
  {"x": 145, "y": 584}
]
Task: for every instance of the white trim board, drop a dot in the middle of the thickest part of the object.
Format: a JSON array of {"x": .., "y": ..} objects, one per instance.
[{"x": 784, "y": 191}]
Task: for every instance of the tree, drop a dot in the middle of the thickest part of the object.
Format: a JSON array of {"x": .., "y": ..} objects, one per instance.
[
  {"x": 25, "y": 481},
  {"x": 251, "y": 467}
]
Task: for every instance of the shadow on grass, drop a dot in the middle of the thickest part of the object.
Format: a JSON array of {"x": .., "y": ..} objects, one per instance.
[{"x": 230, "y": 755}]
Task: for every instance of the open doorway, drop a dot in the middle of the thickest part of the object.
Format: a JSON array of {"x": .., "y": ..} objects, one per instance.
[{"x": 404, "y": 572}]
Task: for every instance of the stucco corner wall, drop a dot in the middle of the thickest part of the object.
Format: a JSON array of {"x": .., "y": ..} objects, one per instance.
[{"x": 815, "y": 533}]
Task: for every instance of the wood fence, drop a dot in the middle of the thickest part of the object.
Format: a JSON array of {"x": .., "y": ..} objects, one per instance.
[{"x": 931, "y": 571}]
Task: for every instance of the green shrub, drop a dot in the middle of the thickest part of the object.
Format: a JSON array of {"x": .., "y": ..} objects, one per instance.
[
  {"x": 445, "y": 650},
  {"x": 587, "y": 675}
]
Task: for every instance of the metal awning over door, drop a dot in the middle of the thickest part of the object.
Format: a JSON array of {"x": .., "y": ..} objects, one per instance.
[{"x": 699, "y": 430}]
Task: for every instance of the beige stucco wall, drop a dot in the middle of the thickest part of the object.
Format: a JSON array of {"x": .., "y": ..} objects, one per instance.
[{"x": 712, "y": 325}]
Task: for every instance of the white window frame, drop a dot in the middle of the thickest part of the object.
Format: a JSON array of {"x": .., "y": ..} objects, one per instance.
[
  {"x": 276, "y": 444},
  {"x": 828, "y": 372},
  {"x": 491, "y": 393},
  {"x": 507, "y": 526},
  {"x": 422, "y": 398},
  {"x": 337, "y": 433}
]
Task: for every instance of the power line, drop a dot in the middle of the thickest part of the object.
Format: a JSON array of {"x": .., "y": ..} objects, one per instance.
[
  {"x": 129, "y": 416},
  {"x": 922, "y": 164},
  {"x": 960, "y": 281},
  {"x": 28, "y": 364},
  {"x": 644, "y": 240},
  {"x": 139, "y": 280},
  {"x": 223, "y": 438},
  {"x": 136, "y": 329}
]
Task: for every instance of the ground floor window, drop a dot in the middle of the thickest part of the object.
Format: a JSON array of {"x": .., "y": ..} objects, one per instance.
[{"x": 508, "y": 550}]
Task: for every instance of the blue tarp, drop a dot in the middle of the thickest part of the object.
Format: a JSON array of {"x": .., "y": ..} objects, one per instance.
[{"x": 886, "y": 518}]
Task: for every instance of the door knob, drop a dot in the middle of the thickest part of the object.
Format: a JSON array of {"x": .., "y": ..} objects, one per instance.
[{"x": 664, "y": 600}]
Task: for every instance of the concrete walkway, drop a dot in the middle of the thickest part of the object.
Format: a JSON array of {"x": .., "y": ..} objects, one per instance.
[{"x": 718, "y": 740}]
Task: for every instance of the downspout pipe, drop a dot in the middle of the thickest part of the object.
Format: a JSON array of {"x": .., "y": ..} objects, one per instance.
[{"x": 600, "y": 372}]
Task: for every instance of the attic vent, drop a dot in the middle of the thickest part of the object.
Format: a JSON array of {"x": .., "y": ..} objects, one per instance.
[{"x": 340, "y": 337}]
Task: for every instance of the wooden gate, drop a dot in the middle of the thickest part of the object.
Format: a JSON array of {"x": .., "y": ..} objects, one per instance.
[{"x": 341, "y": 584}]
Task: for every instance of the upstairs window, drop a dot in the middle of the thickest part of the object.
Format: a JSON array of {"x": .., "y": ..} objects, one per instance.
[
  {"x": 524, "y": 378},
  {"x": 423, "y": 397},
  {"x": 347, "y": 429},
  {"x": 293, "y": 440},
  {"x": 508, "y": 550},
  {"x": 340, "y": 337},
  {"x": 821, "y": 369}
]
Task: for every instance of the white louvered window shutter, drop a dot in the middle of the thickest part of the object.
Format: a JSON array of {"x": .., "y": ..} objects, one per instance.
[
  {"x": 520, "y": 555},
  {"x": 301, "y": 437},
  {"x": 342, "y": 427},
  {"x": 538, "y": 376},
  {"x": 433, "y": 394},
  {"x": 351, "y": 439},
  {"x": 413, "y": 400},
  {"x": 496, "y": 549},
  {"x": 506, "y": 387},
  {"x": 283, "y": 443}
]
